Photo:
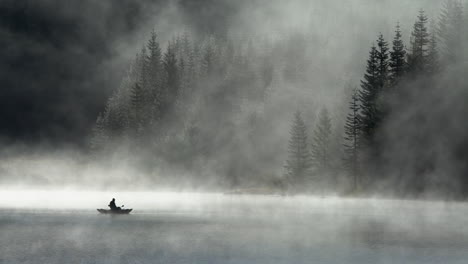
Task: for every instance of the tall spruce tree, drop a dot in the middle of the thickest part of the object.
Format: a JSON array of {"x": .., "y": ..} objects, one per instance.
[
  {"x": 143, "y": 69},
  {"x": 137, "y": 98},
  {"x": 397, "y": 64},
  {"x": 368, "y": 95},
  {"x": 155, "y": 76},
  {"x": 352, "y": 140},
  {"x": 321, "y": 142},
  {"x": 208, "y": 58},
  {"x": 382, "y": 60},
  {"x": 115, "y": 117},
  {"x": 420, "y": 40},
  {"x": 298, "y": 166},
  {"x": 99, "y": 137},
  {"x": 450, "y": 31},
  {"x": 172, "y": 78},
  {"x": 433, "y": 65}
]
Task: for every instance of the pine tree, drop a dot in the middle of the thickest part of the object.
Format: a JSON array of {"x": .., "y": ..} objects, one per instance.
[
  {"x": 450, "y": 31},
  {"x": 368, "y": 95},
  {"x": 299, "y": 163},
  {"x": 382, "y": 60},
  {"x": 155, "y": 77},
  {"x": 417, "y": 59},
  {"x": 397, "y": 62},
  {"x": 143, "y": 68},
  {"x": 185, "y": 86},
  {"x": 321, "y": 145},
  {"x": 186, "y": 45},
  {"x": 352, "y": 139},
  {"x": 115, "y": 117},
  {"x": 208, "y": 59},
  {"x": 195, "y": 61},
  {"x": 99, "y": 137},
  {"x": 433, "y": 65},
  {"x": 137, "y": 100},
  {"x": 172, "y": 78}
]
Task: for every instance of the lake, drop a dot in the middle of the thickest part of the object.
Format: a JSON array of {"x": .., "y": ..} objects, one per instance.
[{"x": 169, "y": 227}]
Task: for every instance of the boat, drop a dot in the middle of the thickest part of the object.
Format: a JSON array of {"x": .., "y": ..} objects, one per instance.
[{"x": 107, "y": 211}]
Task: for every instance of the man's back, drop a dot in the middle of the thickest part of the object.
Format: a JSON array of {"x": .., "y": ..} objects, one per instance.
[{"x": 112, "y": 205}]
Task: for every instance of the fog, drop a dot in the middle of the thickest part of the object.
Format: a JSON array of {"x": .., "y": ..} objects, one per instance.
[
  {"x": 226, "y": 127},
  {"x": 328, "y": 41},
  {"x": 202, "y": 227}
]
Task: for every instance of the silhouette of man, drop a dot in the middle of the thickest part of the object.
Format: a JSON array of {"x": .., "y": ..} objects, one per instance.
[{"x": 113, "y": 206}]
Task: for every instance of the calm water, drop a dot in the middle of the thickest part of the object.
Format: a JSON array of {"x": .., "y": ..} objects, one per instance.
[{"x": 216, "y": 228}]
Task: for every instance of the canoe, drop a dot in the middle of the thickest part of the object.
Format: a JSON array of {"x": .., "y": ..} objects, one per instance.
[{"x": 106, "y": 211}]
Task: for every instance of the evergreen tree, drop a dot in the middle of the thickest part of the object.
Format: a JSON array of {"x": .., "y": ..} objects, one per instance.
[
  {"x": 115, "y": 117},
  {"x": 154, "y": 76},
  {"x": 186, "y": 45},
  {"x": 352, "y": 138},
  {"x": 191, "y": 65},
  {"x": 368, "y": 95},
  {"x": 143, "y": 69},
  {"x": 195, "y": 61},
  {"x": 433, "y": 65},
  {"x": 208, "y": 59},
  {"x": 397, "y": 62},
  {"x": 450, "y": 31},
  {"x": 321, "y": 145},
  {"x": 185, "y": 89},
  {"x": 299, "y": 163},
  {"x": 137, "y": 98},
  {"x": 417, "y": 59},
  {"x": 154, "y": 60},
  {"x": 99, "y": 136},
  {"x": 383, "y": 63},
  {"x": 172, "y": 78}
]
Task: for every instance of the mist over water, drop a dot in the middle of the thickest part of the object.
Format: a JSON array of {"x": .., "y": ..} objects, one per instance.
[
  {"x": 170, "y": 227},
  {"x": 209, "y": 170}
]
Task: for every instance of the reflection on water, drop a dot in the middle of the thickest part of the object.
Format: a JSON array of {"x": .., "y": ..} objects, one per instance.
[{"x": 63, "y": 227}]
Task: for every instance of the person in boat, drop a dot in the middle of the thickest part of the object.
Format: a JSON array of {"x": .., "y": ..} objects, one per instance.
[{"x": 113, "y": 206}]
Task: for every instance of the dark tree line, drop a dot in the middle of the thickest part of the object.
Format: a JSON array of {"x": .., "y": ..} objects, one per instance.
[
  {"x": 200, "y": 104},
  {"x": 187, "y": 105},
  {"x": 395, "y": 83}
]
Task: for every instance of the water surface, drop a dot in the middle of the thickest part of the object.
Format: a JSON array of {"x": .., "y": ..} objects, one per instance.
[{"x": 64, "y": 227}]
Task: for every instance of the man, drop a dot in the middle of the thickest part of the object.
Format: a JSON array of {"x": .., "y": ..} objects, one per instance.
[{"x": 113, "y": 206}]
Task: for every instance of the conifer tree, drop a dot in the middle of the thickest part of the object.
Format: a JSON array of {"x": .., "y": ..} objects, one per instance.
[
  {"x": 99, "y": 136},
  {"x": 155, "y": 78},
  {"x": 195, "y": 61},
  {"x": 115, "y": 117},
  {"x": 352, "y": 139},
  {"x": 172, "y": 78},
  {"x": 186, "y": 45},
  {"x": 207, "y": 63},
  {"x": 433, "y": 65},
  {"x": 397, "y": 62},
  {"x": 417, "y": 59},
  {"x": 450, "y": 31},
  {"x": 382, "y": 60},
  {"x": 143, "y": 69},
  {"x": 137, "y": 100},
  {"x": 321, "y": 145},
  {"x": 368, "y": 95},
  {"x": 299, "y": 163}
]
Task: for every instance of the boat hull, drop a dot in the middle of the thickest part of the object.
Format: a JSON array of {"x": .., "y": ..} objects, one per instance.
[{"x": 106, "y": 211}]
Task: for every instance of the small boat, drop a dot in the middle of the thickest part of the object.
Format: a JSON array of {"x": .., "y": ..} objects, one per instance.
[{"x": 122, "y": 211}]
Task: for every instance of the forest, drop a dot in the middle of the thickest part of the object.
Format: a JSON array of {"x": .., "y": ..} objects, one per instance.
[{"x": 204, "y": 111}]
